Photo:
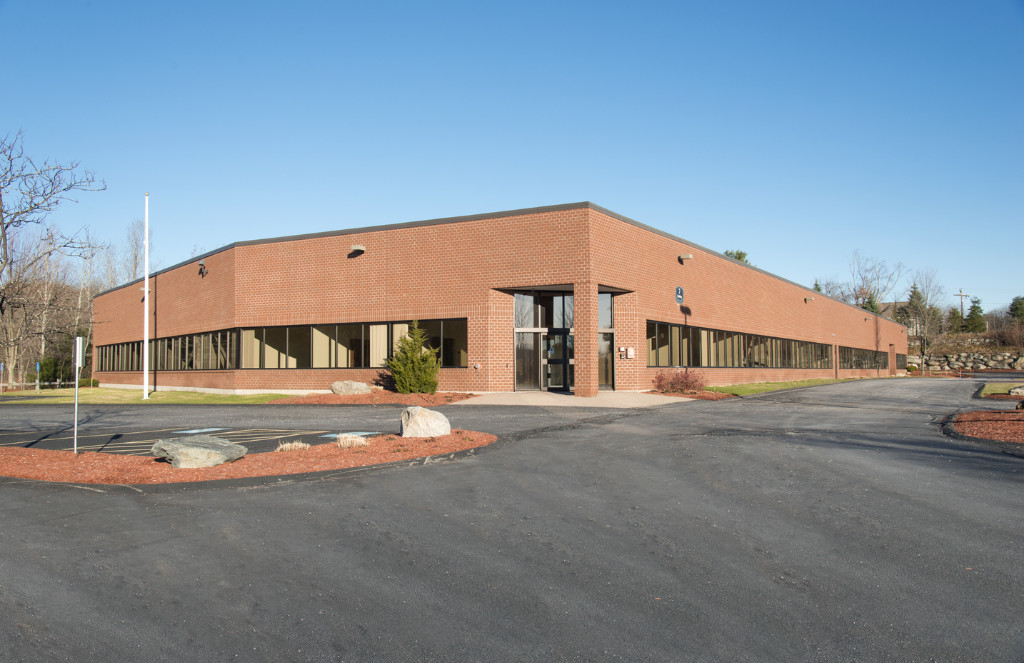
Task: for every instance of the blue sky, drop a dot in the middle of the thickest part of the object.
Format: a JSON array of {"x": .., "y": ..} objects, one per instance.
[{"x": 796, "y": 131}]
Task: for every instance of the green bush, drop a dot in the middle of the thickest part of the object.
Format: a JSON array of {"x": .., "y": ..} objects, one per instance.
[
  {"x": 86, "y": 382},
  {"x": 414, "y": 366}
]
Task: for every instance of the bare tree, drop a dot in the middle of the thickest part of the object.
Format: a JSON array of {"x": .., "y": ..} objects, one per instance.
[
  {"x": 872, "y": 276},
  {"x": 998, "y": 319},
  {"x": 133, "y": 254},
  {"x": 87, "y": 288},
  {"x": 42, "y": 305},
  {"x": 33, "y": 275},
  {"x": 28, "y": 194},
  {"x": 922, "y": 313},
  {"x": 109, "y": 266},
  {"x": 122, "y": 263},
  {"x": 871, "y": 280},
  {"x": 833, "y": 287}
]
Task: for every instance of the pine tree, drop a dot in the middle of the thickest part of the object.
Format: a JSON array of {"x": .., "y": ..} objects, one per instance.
[
  {"x": 954, "y": 320},
  {"x": 870, "y": 304},
  {"x": 1017, "y": 309},
  {"x": 817, "y": 286},
  {"x": 975, "y": 320},
  {"x": 738, "y": 255},
  {"x": 922, "y": 321},
  {"x": 414, "y": 366},
  {"x": 907, "y": 313}
]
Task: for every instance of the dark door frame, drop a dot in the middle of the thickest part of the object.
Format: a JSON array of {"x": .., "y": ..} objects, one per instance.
[{"x": 566, "y": 361}]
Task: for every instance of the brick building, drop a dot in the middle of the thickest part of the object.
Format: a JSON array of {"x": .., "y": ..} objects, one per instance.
[{"x": 562, "y": 297}]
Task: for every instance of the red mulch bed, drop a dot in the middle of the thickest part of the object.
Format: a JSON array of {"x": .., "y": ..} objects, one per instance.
[
  {"x": 1005, "y": 425},
  {"x": 45, "y": 465},
  {"x": 700, "y": 395},
  {"x": 376, "y": 397},
  {"x": 1003, "y": 397}
]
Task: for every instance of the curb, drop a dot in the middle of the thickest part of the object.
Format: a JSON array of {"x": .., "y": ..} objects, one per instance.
[
  {"x": 1009, "y": 448},
  {"x": 978, "y": 396},
  {"x": 257, "y": 482}
]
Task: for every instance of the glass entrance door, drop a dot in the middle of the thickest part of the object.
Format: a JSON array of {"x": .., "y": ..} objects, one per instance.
[
  {"x": 527, "y": 361},
  {"x": 605, "y": 361},
  {"x": 557, "y": 363}
]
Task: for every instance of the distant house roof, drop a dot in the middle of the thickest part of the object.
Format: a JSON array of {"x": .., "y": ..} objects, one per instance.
[{"x": 889, "y": 309}]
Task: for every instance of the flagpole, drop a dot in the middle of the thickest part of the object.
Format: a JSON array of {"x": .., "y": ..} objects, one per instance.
[{"x": 145, "y": 320}]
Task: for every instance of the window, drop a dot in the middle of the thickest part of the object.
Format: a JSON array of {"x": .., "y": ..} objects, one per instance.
[
  {"x": 299, "y": 346},
  {"x": 681, "y": 345},
  {"x": 605, "y": 317},
  {"x": 857, "y": 358}
]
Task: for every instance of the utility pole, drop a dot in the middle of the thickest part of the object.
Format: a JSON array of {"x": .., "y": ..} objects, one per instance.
[{"x": 961, "y": 295}]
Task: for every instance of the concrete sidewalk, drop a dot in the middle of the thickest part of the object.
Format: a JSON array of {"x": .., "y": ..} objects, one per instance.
[{"x": 616, "y": 399}]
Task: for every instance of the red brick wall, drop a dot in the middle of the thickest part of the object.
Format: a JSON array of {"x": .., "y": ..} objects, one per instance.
[
  {"x": 719, "y": 294},
  {"x": 455, "y": 270},
  {"x": 182, "y": 302}
]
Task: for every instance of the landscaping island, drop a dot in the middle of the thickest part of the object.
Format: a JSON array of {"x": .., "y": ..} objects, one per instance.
[{"x": 104, "y": 468}]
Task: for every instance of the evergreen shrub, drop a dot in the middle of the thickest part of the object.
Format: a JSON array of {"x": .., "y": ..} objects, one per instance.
[{"x": 414, "y": 366}]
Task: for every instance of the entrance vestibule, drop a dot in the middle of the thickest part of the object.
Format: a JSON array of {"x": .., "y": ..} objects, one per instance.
[{"x": 544, "y": 336}]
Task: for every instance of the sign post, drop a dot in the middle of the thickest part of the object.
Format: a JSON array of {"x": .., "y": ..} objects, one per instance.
[
  {"x": 79, "y": 363},
  {"x": 37, "y": 377},
  {"x": 1, "y": 377}
]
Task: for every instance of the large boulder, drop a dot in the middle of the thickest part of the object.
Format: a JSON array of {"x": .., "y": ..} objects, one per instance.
[
  {"x": 347, "y": 387},
  {"x": 1019, "y": 364},
  {"x": 421, "y": 422},
  {"x": 198, "y": 451},
  {"x": 1017, "y": 391}
]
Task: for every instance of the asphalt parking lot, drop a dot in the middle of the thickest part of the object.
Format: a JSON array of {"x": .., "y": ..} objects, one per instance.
[{"x": 825, "y": 524}]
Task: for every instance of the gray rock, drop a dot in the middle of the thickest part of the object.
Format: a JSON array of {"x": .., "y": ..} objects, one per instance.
[
  {"x": 1019, "y": 364},
  {"x": 421, "y": 422},
  {"x": 1017, "y": 391},
  {"x": 198, "y": 451},
  {"x": 346, "y": 387}
]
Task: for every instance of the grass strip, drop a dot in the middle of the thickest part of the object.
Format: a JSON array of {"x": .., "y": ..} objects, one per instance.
[
  {"x": 999, "y": 387},
  {"x": 759, "y": 387},
  {"x": 107, "y": 396}
]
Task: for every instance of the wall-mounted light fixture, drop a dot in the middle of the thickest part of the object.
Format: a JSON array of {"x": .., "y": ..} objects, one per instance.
[
  {"x": 358, "y": 248},
  {"x": 203, "y": 271},
  {"x": 808, "y": 299},
  {"x": 683, "y": 258}
]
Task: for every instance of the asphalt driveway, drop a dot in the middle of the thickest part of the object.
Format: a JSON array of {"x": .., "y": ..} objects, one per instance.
[{"x": 825, "y": 524}]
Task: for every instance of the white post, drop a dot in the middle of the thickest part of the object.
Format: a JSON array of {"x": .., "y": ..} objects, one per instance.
[
  {"x": 79, "y": 363},
  {"x": 145, "y": 322}
]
